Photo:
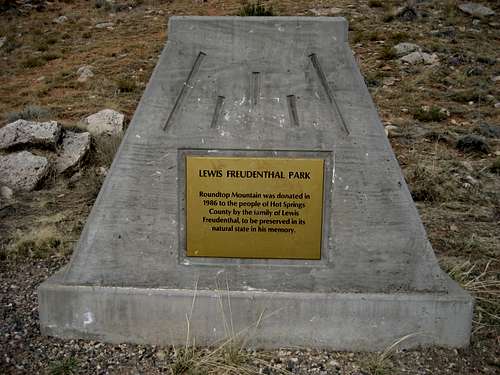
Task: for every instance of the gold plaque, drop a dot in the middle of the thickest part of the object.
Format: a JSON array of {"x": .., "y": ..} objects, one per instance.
[{"x": 254, "y": 207}]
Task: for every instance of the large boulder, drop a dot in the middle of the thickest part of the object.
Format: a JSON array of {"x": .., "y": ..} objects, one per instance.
[
  {"x": 30, "y": 133},
  {"x": 107, "y": 121},
  {"x": 73, "y": 149},
  {"x": 22, "y": 170}
]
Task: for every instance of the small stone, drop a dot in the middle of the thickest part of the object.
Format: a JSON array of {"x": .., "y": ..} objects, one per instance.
[
  {"x": 420, "y": 58},
  {"x": 326, "y": 11},
  {"x": 22, "y": 170},
  {"x": 495, "y": 79},
  {"x": 106, "y": 121},
  {"x": 102, "y": 171},
  {"x": 60, "y": 20},
  {"x": 23, "y": 132},
  {"x": 453, "y": 228},
  {"x": 392, "y": 130},
  {"x": 403, "y": 49},
  {"x": 3, "y": 39},
  {"x": 476, "y": 10},
  {"x": 497, "y": 105},
  {"x": 388, "y": 81},
  {"x": 74, "y": 148},
  {"x": 6, "y": 192},
  {"x": 84, "y": 73},
  {"x": 406, "y": 13},
  {"x": 104, "y": 25}
]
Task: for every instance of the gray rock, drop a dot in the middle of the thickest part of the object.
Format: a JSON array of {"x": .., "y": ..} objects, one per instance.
[
  {"x": 3, "y": 39},
  {"x": 403, "y": 49},
  {"x": 23, "y": 133},
  {"x": 84, "y": 73},
  {"x": 104, "y": 25},
  {"x": 418, "y": 57},
  {"x": 406, "y": 13},
  {"x": 106, "y": 121},
  {"x": 6, "y": 192},
  {"x": 60, "y": 20},
  {"x": 325, "y": 11},
  {"x": 476, "y": 10},
  {"x": 22, "y": 170},
  {"x": 74, "y": 148},
  {"x": 490, "y": 131}
]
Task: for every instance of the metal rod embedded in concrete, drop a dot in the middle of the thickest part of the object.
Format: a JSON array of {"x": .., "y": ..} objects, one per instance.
[
  {"x": 292, "y": 110},
  {"x": 255, "y": 88},
  {"x": 218, "y": 109},
  {"x": 187, "y": 83},
  {"x": 324, "y": 83}
]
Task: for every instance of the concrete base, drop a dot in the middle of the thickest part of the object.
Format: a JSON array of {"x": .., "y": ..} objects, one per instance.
[{"x": 338, "y": 321}]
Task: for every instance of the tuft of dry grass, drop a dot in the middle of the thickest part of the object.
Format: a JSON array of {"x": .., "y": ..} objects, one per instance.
[
  {"x": 432, "y": 114},
  {"x": 37, "y": 243},
  {"x": 429, "y": 185},
  {"x": 484, "y": 284},
  {"x": 104, "y": 150}
]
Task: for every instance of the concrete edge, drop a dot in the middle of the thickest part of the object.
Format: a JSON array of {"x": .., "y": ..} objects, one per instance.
[{"x": 338, "y": 321}]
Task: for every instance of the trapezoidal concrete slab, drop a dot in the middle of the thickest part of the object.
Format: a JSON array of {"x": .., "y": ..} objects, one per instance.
[{"x": 261, "y": 91}]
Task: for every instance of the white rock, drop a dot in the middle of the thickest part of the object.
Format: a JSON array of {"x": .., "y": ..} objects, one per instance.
[
  {"x": 60, "y": 20},
  {"x": 84, "y": 73},
  {"x": 6, "y": 192},
  {"x": 104, "y": 25},
  {"x": 403, "y": 49},
  {"x": 22, "y": 170},
  {"x": 74, "y": 148},
  {"x": 391, "y": 130},
  {"x": 326, "y": 11},
  {"x": 476, "y": 10},
  {"x": 106, "y": 121},
  {"x": 3, "y": 39},
  {"x": 101, "y": 171},
  {"x": 23, "y": 132},
  {"x": 420, "y": 58}
]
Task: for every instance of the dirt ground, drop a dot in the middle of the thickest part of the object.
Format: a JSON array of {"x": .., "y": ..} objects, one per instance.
[{"x": 442, "y": 120}]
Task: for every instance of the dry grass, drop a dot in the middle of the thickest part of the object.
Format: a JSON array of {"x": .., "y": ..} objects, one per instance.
[
  {"x": 104, "y": 150},
  {"x": 39, "y": 242},
  {"x": 429, "y": 185},
  {"x": 484, "y": 284}
]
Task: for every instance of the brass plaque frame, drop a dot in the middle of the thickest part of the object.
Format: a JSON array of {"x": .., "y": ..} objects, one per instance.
[{"x": 315, "y": 248}]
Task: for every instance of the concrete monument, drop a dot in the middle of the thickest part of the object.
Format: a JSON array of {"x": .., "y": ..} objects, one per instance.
[{"x": 256, "y": 182}]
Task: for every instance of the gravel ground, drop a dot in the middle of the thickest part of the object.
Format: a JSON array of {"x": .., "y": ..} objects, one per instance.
[{"x": 24, "y": 351}]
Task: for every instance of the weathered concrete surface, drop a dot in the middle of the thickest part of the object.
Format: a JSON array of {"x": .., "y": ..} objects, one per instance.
[
  {"x": 74, "y": 147},
  {"x": 30, "y": 133},
  {"x": 22, "y": 170},
  {"x": 373, "y": 240},
  {"x": 344, "y": 321}
]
